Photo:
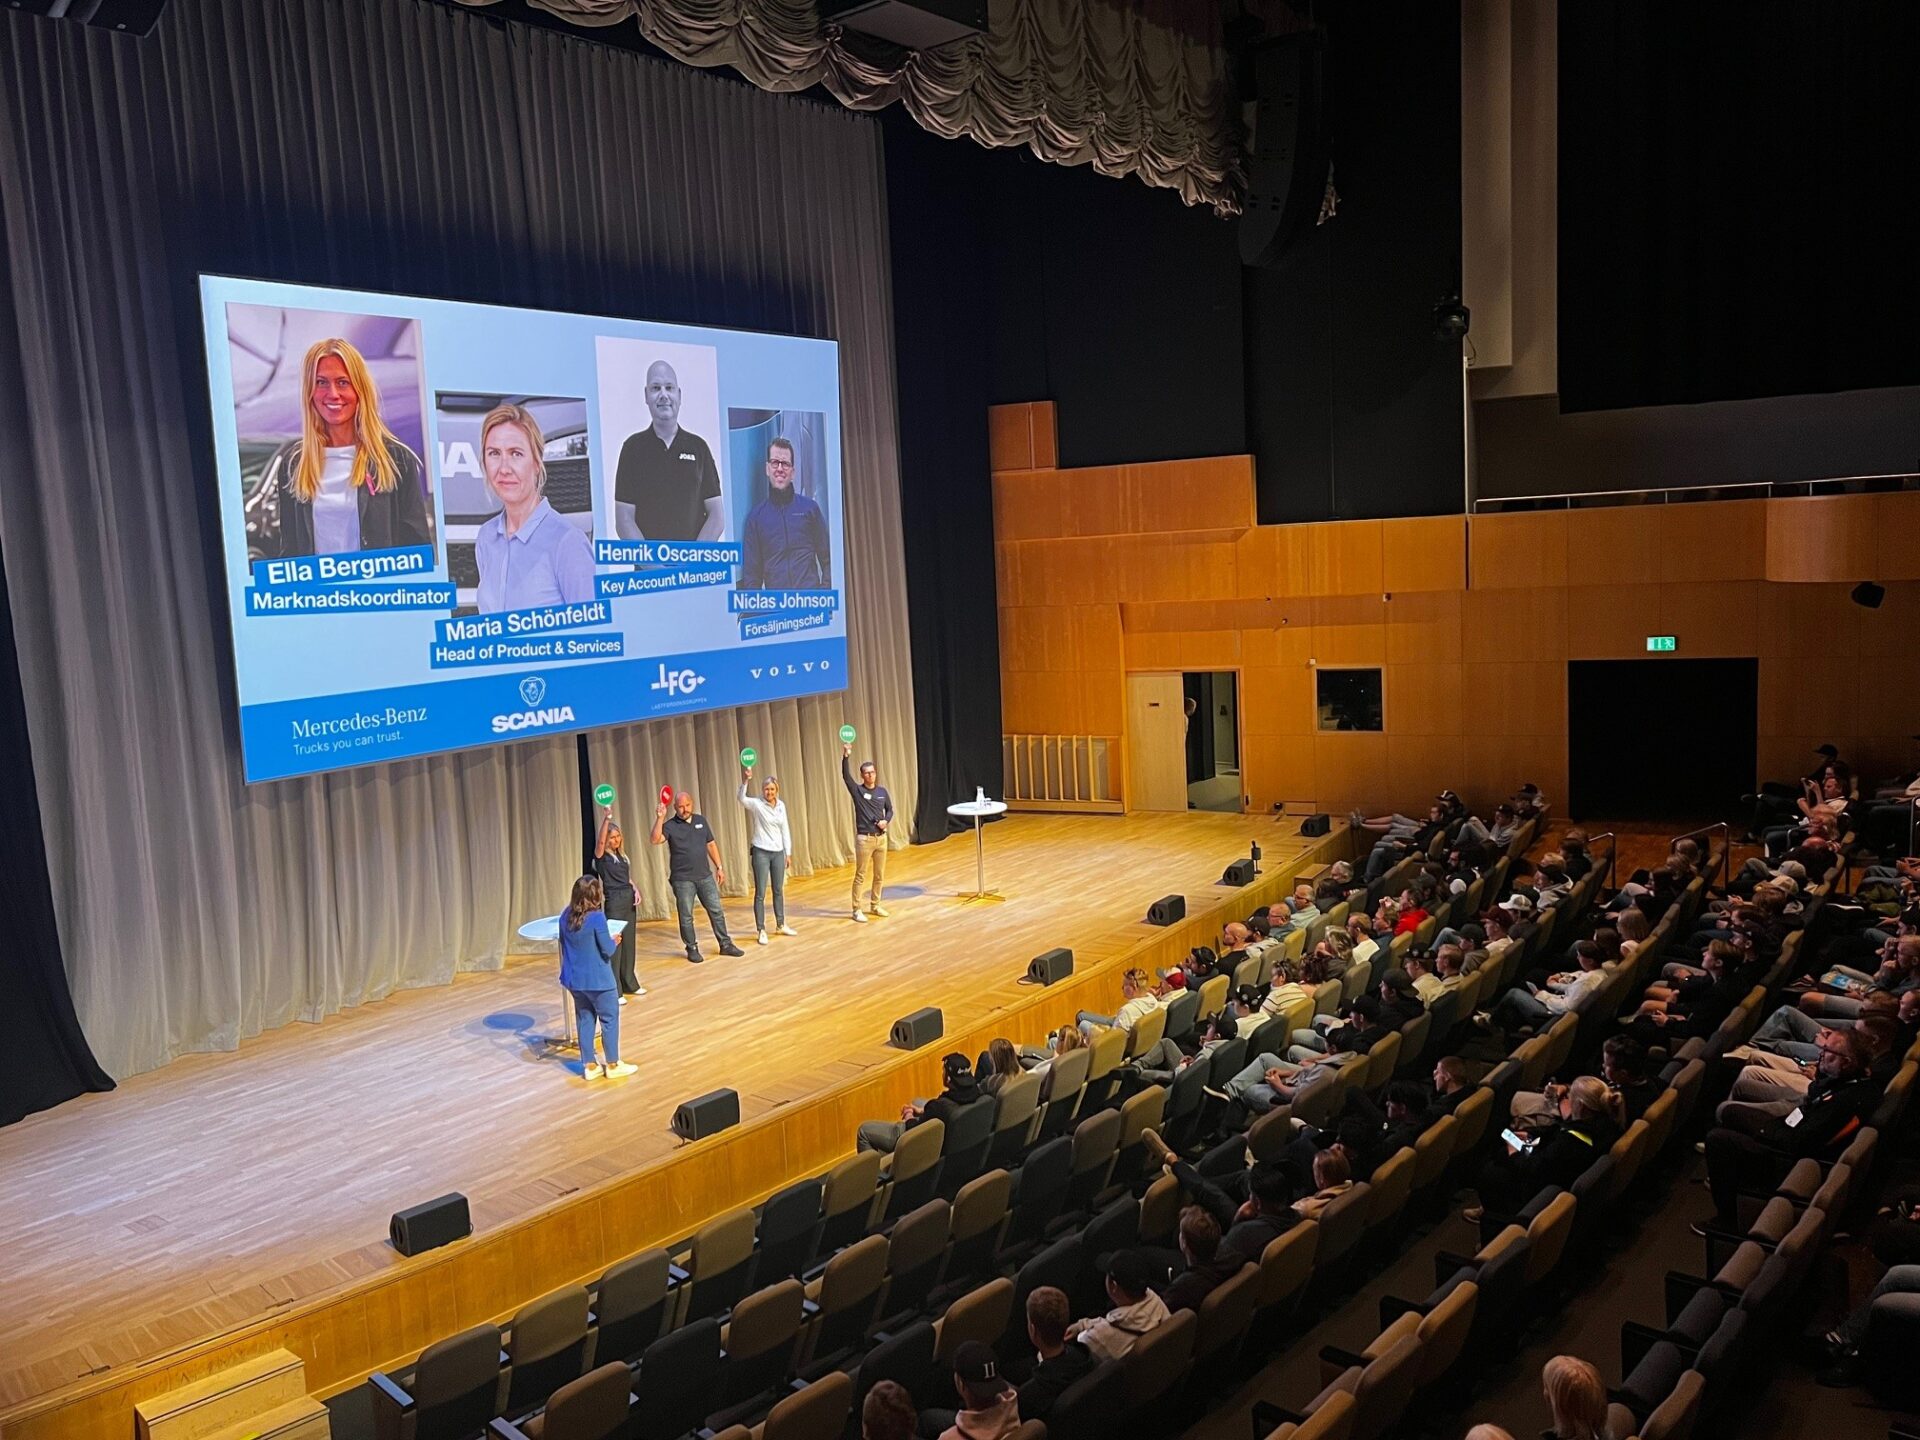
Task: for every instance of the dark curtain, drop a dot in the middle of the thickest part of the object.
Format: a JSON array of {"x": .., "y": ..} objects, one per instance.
[
  {"x": 44, "y": 1059},
  {"x": 1737, "y": 200},
  {"x": 942, "y": 316}
]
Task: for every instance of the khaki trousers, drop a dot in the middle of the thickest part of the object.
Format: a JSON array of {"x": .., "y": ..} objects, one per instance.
[{"x": 869, "y": 858}]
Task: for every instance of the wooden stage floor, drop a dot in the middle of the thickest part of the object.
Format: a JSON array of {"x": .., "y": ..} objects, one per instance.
[{"x": 224, "y": 1189}]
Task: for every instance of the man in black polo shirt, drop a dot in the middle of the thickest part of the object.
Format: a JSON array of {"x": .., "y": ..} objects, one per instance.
[
  {"x": 694, "y": 870},
  {"x": 666, "y": 486}
]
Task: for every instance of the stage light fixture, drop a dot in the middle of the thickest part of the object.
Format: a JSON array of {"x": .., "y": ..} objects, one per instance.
[{"x": 1452, "y": 319}]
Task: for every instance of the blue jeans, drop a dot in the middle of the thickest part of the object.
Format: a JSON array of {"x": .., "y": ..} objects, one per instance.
[
  {"x": 1517, "y": 1007},
  {"x": 769, "y": 868},
  {"x": 1250, "y": 1086},
  {"x": 707, "y": 891},
  {"x": 604, "y": 1006},
  {"x": 1899, "y": 1280}
]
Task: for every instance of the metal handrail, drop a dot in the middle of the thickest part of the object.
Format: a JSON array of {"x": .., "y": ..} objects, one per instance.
[
  {"x": 1613, "y": 855},
  {"x": 1726, "y": 850},
  {"x": 1667, "y": 494}
]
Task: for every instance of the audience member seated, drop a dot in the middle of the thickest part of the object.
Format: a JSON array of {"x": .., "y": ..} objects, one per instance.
[
  {"x": 1334, "y": 885},
  {"x": 1252, "y": 1219},
  {"x": 1577, "y": 1398},
  {"x": 1136, "y": 1309},
  {"x": 1203, "y": 1268},
  {"x": 1138, "y": 1002},
  {"x": 1452, "y": 1082},
  {"x": 1332, "y": 1178},
  {"x": 1623, "y": 1065},
  {"x": 998, "y": 1063},
  {"x": 1367, "y": 1134},
  {"x": 1668, "y": 1022},
  {"x": 1360, "y": 937},
  {"x": 1588, "y": 1125},
  {"x": 1754, "y": 1152},
  {"x": 1574, "y": 855},
  {"x": 887, "y": 1413},
  {"x": 989, "y": 1406},
  {"x": 1569, "y": 992},
  {"x": 1057, "y": 1364},
  {"x": 962, "y": 1090},
  {"x": 1040, "y": 1062},
  {"x": 1844, "y": 1343}
]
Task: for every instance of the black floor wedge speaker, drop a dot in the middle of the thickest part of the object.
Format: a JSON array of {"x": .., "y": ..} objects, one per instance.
[
  {"x": 1167, "y": 909},
  {"x": 1240, "y": 872},
  {"x": 922, "y": 1027},
  {"x": 430, "y": 1225},
  {"x": 1055, "y": 964},
  {"x": 1316, "y": 824},
  {"x": 707, "y": 1114}
]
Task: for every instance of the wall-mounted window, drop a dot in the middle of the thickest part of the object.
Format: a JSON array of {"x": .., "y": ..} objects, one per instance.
[{"x": 1348, "y": 699}]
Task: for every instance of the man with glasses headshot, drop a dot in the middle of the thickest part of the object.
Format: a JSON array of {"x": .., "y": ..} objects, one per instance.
[{"x": 784, "y": 545}]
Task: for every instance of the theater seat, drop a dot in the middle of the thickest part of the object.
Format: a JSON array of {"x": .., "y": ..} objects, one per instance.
[
  {"x": 595, "y": 1406},
  {"x": 453, "y": 1390}
]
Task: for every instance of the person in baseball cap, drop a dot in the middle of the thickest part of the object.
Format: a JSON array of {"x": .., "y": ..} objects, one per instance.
[{"x": 989, "y": 1406}]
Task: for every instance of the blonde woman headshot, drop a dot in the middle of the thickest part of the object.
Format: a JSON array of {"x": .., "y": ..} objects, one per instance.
[
  {"x": 528, "y": 555},
  {"x": 347, "y": 483}
]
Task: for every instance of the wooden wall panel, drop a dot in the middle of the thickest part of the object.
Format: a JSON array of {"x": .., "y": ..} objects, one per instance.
[
  {"x": 1278, "y": 769},
  {"x": 1422, "y": 765},
  {"x": 1808, "y": 620},
  {"x": 1010, "y": 437},
  {"x": 1714, "y": 540},
  {"x": 1615, "y": 545},
  {"x": 1516, "y": 697},
  {"x": 1423, "y": 627},
  {"x": 1043, "y": 434},
  {"x": 1893, "y": 629},
  {"x": 1807, "y": 695},
  {"x": 1525, "y": 549},
  {"x": 1513, "y": 624},
  {"x": 1427, "y": 553},
  {"x": 1711, "y": 618},
  {"x": 1425, "y": 699},
  {"x": 1351, "y": 770},
  {"x": 1276, "y": 700},
  {"x": 1828, "y": 537},
  {"x": 1345, "y": 558},
  {"x": 1607, "y": 623},
  {"x": 1350, "y": 630}
]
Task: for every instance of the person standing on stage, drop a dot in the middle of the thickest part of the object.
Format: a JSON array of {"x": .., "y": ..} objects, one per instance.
[
  {"x": 872, "y": 815},
  {"x": 695, "y": 872},
  {"x": 771, "y": 847},
  {"x": 586, "y": 945},
  {"x": 615, "y": 869}
]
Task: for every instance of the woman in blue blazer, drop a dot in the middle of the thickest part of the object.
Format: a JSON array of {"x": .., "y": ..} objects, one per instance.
[{"x": 586, "y": 947}]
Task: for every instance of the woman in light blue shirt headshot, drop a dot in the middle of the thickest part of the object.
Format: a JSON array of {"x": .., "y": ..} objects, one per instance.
[{"x": 528, "y": 555}]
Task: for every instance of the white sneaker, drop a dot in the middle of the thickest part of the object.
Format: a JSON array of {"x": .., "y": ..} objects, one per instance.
[
  {"x": 879, "y": 910},
  {"x": 763, "y": 938},
  {"x": 637, "y": 990},
  {"x": 621, "y": 1071},
  {"x": 788, "y": 930},
  {"x": 858, "y": 918},
  {"x": 594, "y": 1072},
  {"x": 623, "y": 999}
]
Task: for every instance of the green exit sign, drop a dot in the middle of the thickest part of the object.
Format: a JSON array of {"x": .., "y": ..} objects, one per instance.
[{"x": 1659, "y": 642}]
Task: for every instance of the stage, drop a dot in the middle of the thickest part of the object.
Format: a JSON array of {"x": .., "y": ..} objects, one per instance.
[{"x": 231, "y": 1202}]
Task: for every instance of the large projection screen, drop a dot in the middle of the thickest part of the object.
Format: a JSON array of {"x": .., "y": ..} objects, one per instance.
[{"x": 448, "y": 524}]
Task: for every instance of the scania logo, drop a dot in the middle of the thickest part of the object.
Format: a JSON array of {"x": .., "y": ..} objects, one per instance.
[
  {"x": 678, "y": 682},
  {"x": 533, "y": 690}
]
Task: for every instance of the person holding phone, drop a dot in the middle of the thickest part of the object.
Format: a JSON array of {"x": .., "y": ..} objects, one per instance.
[
  {"x": 615, "y": 869},
  {"x": 1532, "y": 1160},
  {"x": 770, "y": 847},
  {"x": 348, "y": 483},
  {"x": 586, "y": 948}
]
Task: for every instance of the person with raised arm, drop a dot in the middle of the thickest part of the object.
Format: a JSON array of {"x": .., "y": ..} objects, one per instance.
[
  {"x": 615, "y": 869},
  {"x": 695, "y": 871},
  {"x": 872, "y": 815},
  {"x": 771, "y": 848}
]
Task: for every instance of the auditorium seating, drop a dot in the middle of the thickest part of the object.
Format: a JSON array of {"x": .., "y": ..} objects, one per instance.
[{"x": 882, "y": 1267}]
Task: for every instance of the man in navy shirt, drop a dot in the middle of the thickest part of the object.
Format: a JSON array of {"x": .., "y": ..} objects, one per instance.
[
  {"x": 694, "y": 870},
  {"x": 872, "y": 814},
  {"x": 784, "y": 544}
]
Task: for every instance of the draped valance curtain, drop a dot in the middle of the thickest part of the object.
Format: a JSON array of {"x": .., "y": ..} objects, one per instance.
[
  {"x": 1132, "y": 87},
  {"x": 403, "y": 147}
]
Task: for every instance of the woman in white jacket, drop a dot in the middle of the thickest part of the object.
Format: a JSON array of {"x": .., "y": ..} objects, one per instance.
[{"x": 771, "y": 844}]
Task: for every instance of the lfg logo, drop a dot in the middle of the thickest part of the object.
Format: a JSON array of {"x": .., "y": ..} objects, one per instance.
[
  {"x": 805, "y": 667},
  {"x": 677, "y": 682}
]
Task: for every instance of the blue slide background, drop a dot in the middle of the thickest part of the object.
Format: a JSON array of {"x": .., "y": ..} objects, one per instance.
[{"x": 373, "y": 680}]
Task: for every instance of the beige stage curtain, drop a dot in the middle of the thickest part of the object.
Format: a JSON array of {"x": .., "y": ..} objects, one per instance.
[{"x": 1130, "y": 88}]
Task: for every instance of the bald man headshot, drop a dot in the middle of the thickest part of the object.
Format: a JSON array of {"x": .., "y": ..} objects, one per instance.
[{"x": 667, "y": 486}]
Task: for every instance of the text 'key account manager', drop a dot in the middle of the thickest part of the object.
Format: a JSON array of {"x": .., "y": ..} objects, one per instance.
[
  {"x": 348, "y": 483},
  {"x": 666, "y": 486}
]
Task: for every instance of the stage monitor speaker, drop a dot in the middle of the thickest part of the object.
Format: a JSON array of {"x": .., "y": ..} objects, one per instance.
[
  {"x": 1167, "y": 909},
  {"x": 1318, "y": 824},
  {"x": 429, "y": 1226},
  {"x": 707, "y": 1114},
  {"x": 1055, "y": 964},
  {"x": 1240, "y": 872},
  {"x": 1287, "y": 159},
  {"x": 922, "y": 1027},
  {"x": 1869, "y": 594},
  {"x": 913, "y": 24}
]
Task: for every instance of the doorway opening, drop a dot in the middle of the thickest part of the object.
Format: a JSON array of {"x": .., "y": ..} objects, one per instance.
[
  {"x": 1672, "y": 740},
  {"x": 1212, "y": 704}
]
